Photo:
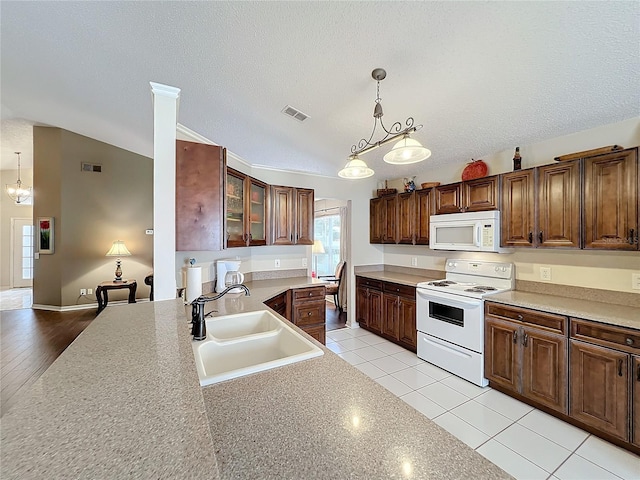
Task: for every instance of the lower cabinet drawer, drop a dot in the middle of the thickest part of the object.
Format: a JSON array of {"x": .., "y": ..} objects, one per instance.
[
  {"x": 318, "y": 332},
  {"x": 309, "y": 314},
  {"x": 309, "y": 293}
]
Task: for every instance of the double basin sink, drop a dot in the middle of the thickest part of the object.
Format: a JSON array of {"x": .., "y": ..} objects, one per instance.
[{"x": 245, "y": 343}]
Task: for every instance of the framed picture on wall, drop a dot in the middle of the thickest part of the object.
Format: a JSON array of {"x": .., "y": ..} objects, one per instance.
[{"x": 45, "y": 235}]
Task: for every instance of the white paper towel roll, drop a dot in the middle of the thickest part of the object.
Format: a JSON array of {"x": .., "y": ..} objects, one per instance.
[{"x": 194, "y": 283}]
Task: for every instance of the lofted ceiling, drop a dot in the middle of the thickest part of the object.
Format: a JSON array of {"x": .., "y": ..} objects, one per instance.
[{"x": 480, "y": 77}]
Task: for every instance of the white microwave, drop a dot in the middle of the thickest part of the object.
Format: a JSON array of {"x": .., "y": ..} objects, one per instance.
[{"x": 468, "y": 231}]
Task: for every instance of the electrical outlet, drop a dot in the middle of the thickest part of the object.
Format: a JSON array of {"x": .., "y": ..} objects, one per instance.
[
  {"x": 545, "y": 274},
  {"x": 304, "y": 262},
  {"x": 414, "y": 261},
  {"x": 635, "y": 281},
  {"x": 277, "y": 263},
  {"x": 89, "y": 291},
  {"x": 83, "y": 291}
]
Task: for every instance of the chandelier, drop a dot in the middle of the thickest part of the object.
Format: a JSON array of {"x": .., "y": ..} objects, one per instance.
[
  {"x": 16, "y": 191},
  {"x": 405, "y": 151}
]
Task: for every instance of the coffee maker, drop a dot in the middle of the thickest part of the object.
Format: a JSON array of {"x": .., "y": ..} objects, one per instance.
[{"x": 228, "y": 269}]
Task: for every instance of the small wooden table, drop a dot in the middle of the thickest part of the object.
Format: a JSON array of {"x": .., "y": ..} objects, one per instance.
[{"x": 104, "y": 287}]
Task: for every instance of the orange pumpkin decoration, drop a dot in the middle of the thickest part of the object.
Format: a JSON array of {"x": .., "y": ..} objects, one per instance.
[{"x": 475, "y": 169}]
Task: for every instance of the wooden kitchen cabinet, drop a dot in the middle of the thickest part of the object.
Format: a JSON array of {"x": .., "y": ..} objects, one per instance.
[
  {"x": 558, "y": 197},
  {"x": 306, "y": 309},
  {"x": 424, "y": 210},
  {"x": 199, "y": 196},
  {"x": 602, "y": 375},
  {"x": 635, "y": 405},
  {"x": 401, "y": 218},
  {"x": 517, "y": 207},
  {"x": 377, "y": 218},
  {"x": 448, "y": 198},
  {"x": 476, "y": 195},
  {"x": 600, "y": 388},
  {"x": 246, "y": 210},
  {"x": 406, "y": 218},
  {"x": 292, "y": 215},
  {"x": 526, "y": 353},
  {"x": 369, "y": 304},
  {"x": 278, "y": 304},
  {"x": 387, "y": 309},
  {"x": 541, "y": 206},
  {"x": 611, "y": 201}
]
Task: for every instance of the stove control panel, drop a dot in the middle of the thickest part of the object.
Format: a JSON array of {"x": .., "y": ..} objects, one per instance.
[{"x": 480, "y": 268}]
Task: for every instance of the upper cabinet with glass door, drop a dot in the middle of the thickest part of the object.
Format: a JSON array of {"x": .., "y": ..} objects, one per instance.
[{"x": 246, "y": 210}]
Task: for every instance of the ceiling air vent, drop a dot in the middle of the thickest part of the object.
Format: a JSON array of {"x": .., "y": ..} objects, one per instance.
[
  {"x": 91, "y": 167},
  {"x": 295, "y": 113}
]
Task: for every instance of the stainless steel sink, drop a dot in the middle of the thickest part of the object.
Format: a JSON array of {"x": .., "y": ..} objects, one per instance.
[{"x": 246, "y": 343}]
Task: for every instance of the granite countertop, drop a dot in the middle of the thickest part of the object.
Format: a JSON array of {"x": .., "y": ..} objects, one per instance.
[
  {"x": 397, "y": 277},
  {"x": 621, "y": 315},
  {"x": 123, "y": 400}
]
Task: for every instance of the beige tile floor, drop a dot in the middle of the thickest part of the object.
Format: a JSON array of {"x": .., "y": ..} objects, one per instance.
[
  {"x": 15, "y": 298},
  {"x": 524, "y": 441}
]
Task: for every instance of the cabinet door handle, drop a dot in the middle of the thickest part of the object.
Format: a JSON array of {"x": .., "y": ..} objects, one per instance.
[
  {"x": 619, "y": 367},
  {"x": 638, "y": 372},
  {"x": 291, "y": 237},
  {"x": 540, "y": 236},
  {"x": 520, "y": 317},
  {"x": 309, "y": 314},
  {"x": 515, "y": 336},
  {"x": 629, "y": 341},
  {"x": 525, "y": 339},
  {"x": 530, "y": 237},
  {"x": 631, "y": 239}
]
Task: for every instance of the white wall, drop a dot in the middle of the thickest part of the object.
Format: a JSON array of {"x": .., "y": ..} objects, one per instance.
[
  {"x": 593, "y": 269},
  {"x": 9, "y": 210}
]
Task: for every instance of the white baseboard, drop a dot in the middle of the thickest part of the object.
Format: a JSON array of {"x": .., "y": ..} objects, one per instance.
[
  {"x": 84, "y": 306},
  {"x": 65, "y": 308}
]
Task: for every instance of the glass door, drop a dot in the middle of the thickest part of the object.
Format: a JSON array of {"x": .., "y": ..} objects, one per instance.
[
  {"x": 236, "y": 236},
  {"x": 257, "y": 212},
  {"x": 327, "y": 230}
]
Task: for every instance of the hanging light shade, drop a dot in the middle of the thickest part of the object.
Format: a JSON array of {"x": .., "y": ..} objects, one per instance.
[
  {"x": 407, "y": 151},
  {"x": 18, "y": 192},
  {"x": 404, "y": 152},
  {"x": 355, "y": 168}
]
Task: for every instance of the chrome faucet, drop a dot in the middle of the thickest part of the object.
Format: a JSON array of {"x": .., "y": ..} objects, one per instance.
[{"x": 199, "y": 327}]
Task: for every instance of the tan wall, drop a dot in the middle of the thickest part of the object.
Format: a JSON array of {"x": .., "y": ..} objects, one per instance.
[
  {"x": 47, "y": 174},
  {"x": 9, "y": 210},
  {"x": 95, "y": 210}
]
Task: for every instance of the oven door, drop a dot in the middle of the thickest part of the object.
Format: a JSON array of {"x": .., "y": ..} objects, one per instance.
[{"x": 454, "y": 318}]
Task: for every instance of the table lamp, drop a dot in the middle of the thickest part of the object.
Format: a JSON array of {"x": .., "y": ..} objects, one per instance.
[
  {"x": 317, "y": 249},
  {"x": 118, "y": 249}
]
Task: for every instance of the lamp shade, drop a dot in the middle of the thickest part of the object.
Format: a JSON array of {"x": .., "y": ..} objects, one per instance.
[
  {"x": 118, "y": 249},
  {"x": 318, "y": 247},
  {"x": 407, "y": 151},
  {"x": 355, "y": 168}
]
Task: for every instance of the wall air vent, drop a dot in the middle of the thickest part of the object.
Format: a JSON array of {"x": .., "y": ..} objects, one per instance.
[
  {"x": 91, "y": 167},
  {"x": 295, "y": 113}
]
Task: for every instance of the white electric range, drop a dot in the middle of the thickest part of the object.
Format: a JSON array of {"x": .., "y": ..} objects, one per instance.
[{"x": 450, "y": 315}]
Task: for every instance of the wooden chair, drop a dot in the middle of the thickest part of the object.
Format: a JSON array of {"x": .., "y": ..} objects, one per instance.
[{"x": 334, "y": 287}]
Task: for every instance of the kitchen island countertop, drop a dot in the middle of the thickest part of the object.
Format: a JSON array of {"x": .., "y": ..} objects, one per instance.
[{"x": 124, "y": 401}]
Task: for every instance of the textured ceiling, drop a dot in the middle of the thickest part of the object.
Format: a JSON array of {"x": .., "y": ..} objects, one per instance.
[{"x": 480, "y": 76}]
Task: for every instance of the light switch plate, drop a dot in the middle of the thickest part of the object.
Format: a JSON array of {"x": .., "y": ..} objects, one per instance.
[
  {"x": 277, "y": 262},
  {"x": 635, "y": 281},
  {"x": 304, "y": 262},
  {"x": 149, "y": 231},
  {"x": 414, "y": 261}
]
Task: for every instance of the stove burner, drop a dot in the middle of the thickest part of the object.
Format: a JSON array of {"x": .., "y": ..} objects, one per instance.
[
  {"x": 474, "y": 290},
  {"x": 442, "y": 283},
  {"x": 486, "y": 288}
]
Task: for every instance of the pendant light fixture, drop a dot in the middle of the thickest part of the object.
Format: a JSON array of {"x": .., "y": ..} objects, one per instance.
[
  {"x": 18, "y": 192},
  {"x": 407, "y": 150}
]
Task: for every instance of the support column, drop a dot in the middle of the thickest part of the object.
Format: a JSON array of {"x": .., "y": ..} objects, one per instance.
[{"x": 165, "y": 116}]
